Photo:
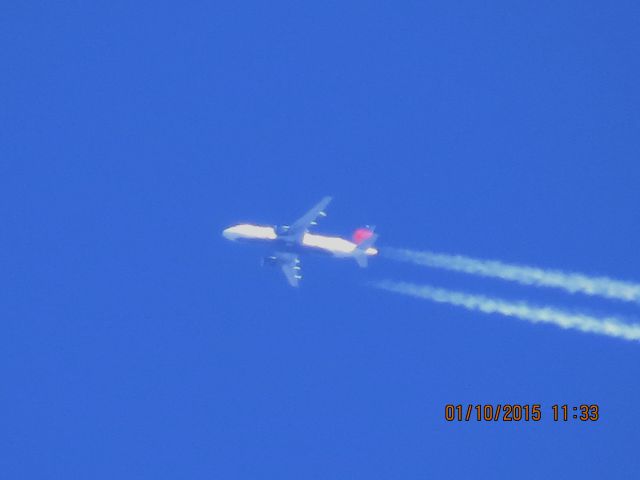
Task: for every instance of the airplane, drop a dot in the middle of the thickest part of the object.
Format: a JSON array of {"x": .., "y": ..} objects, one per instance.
[{"x": 291, "y": 240}]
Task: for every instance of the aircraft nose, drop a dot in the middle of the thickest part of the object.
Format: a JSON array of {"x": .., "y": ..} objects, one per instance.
[{"x": 228, "y": 234}]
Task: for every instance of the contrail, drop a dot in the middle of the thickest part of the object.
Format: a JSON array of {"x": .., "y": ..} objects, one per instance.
[
  {"x": 609, "y": 326},
  {"x": 571, "y": 282}
]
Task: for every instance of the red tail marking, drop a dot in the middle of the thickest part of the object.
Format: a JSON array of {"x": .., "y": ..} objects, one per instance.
[{"x": 361, "y": 234}]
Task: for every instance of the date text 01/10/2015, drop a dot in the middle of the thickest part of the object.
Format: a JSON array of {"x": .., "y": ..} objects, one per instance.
[{"x": 513, "y": 412}]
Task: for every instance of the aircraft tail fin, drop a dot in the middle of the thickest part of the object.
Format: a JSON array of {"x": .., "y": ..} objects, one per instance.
[
  {"x": 369, "y": 242},
  {"x": 363, "y": 233},
  {"x": 360, "y": 252}
]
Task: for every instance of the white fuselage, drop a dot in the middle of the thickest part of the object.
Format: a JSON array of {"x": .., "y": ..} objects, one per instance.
[{"x": 336, "y": 246}]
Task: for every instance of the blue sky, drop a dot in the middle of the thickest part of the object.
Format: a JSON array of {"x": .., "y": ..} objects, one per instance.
[{"x": 138, "y": 343}]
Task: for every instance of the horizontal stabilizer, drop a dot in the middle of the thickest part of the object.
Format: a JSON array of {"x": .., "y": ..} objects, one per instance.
[{"x": 361, "y": 259}]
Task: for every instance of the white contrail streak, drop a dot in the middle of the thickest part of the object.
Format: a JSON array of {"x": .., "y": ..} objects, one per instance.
[
  {"x": 571, "y": 282},
  {"x": 610, "y": 326}
]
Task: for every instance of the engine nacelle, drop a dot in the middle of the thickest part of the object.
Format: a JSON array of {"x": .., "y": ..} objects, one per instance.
[{"x": 281, "y": 229}]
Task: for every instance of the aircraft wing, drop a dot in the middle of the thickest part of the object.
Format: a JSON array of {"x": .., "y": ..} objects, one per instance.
[
  {"x": 290, "y": 264},
  {"x": 298, "y": 228}
]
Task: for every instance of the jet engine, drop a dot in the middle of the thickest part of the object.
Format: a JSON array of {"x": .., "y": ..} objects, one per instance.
[{"x": 281, "y": 229}]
